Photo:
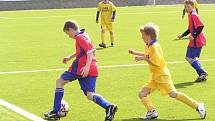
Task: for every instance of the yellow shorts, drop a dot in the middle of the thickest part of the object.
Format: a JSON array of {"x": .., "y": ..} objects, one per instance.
[
  {"x": 164, "y": 88},
  {"x": 107, "y": 26}
]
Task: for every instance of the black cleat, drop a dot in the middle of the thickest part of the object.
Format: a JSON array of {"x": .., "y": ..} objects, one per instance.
[
  {"x": 112, "y": 45},
  {"x": 202, "y": 77},
  {"x": 102, "y": 45},
  {"x": 110, "y": 112},
  {"x": 52, "y": 115}
]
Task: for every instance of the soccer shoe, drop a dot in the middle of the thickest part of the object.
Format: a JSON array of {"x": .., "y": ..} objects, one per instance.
[
  {"x": 102, "y": 45},
  {"x": 151, "y": 115},
  {"x": 110, "y": 112},
  {"x": 112, "y": 45},
  {"x": 202, "y": 77},
  {"x": 52, "y": 115},
  {"x": 201, "y": 111}
]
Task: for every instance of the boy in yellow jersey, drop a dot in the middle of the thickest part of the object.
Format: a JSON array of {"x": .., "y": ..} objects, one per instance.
[
  {"x": 161, "y": 77},
  {"x": 196, "y": 6},
  {"x": 108, "y": 14}
]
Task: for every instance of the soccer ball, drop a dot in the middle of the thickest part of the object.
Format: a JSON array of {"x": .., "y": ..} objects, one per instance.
[{"x": 64, "y": 108}]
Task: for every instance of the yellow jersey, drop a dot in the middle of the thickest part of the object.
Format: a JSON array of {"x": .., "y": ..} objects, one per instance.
[
  {"x": 158, "y": 68},
  {"x": 106, "y": 10}
]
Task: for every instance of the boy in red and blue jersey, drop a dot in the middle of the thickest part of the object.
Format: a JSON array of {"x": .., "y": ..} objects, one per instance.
[
  {"x": 197, "y": 40},
  {"x": 84, "y": 69}
]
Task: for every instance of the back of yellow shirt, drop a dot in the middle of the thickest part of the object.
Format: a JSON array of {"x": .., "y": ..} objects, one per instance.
[
  {"x": 158, "y": 68},
  {"x": 106, "y": 10}
]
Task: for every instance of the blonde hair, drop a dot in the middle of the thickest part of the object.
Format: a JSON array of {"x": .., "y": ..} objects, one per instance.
[{"x": 151, "y": 29}]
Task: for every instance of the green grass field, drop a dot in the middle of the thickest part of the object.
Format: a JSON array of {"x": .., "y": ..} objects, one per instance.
[{"x": 34, "y": 40}]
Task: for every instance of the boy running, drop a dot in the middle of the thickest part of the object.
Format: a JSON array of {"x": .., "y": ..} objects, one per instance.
[
  {"x": 108, "y": 14},
  {"x": 161, "y": 78},
  {"x": 197, "y": 40},
  {"x": 84, "y": 69}
]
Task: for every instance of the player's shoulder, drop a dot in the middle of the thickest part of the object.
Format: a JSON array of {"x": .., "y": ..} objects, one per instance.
[
  {"x": 100, "y": 3},
  {"x": 155, "y": 46},
  {"x": 194, "y": 15}
]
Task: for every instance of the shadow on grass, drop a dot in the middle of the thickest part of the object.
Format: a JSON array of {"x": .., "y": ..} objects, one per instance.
[
  {"x": 184, "y": 84},
  {"x": 180, "y": 39},
  {"x": 139, "y": 119},
  {"x": 101, "y": 48}
]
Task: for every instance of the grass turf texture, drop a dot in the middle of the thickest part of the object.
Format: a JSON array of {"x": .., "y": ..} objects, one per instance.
[{"x": 34, "y": 40}]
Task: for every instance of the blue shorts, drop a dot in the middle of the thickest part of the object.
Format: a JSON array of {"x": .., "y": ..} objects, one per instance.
[
  {"x": 193, "y": 52},
  {"x": 87, "y": 84}
]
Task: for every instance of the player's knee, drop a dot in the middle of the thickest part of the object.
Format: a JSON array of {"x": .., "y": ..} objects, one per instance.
[
  {"x": 111, "y": 33},
  {"x": 143, "y": 93},
  {"x": 60, "y": 83},
  {"x": 173, "y": 94},
  {"x": 89, "y": 95},
  {"x": 102, "y": 31},
  {"x": 187, "y": 59}
]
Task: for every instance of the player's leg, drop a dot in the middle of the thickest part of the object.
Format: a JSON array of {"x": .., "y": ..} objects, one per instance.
[
  {"x": 144, "y": 97},
  {"x": 199, "y": 107},
  {"x": 192, "y": 56},
  {"x": 110, "y": 29},
  {"x": 59, "y": 93},
  {"x": 88, "y": 85},
  {"x": 103, "y": 29}
]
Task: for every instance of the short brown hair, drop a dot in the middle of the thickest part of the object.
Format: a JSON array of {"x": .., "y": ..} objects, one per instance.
[
  {"x": 190, "y": 2},
  {"x": 70, "y": 24},
  {"x": 150, "y": 29}
]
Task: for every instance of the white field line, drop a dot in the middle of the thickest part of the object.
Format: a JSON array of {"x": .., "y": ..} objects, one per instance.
[
  {"x": 101, "y": 67},
  {"x": 87, "y": 15},
  {"x": 20, "y": 111}
]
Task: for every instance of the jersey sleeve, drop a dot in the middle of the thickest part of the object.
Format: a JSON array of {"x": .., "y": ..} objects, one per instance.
[
  {"x": 197, "y": 22},
  {"x": 155, "y": 56},
  {"x": 85, "y": 43},
  {"x": 113, "y": 7},
  {"x": 99, "y": 7}
]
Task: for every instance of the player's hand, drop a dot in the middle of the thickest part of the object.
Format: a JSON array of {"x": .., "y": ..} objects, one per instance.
[
  {"x": 139, "y": 58},
  {"x": 66, "y": 59},
  {"x": 131, "y": 51},
  {"x": 84, "y": 71},
  {"x": 191, "y": 38},
  {"x": 180, "y": 36},
  {"x": 112, "y": 20},
  {"x": 183, "y": 17}
]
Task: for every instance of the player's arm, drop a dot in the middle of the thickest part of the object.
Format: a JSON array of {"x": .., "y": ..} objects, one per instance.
[
  {"x": 86, "y": 68},
  {"x": 113, "y": 16},
  {"x": 97, "y": 16},
  {"x": 184, "y": 34},
  {"x": 199, "y": 27},
  {"x": 98, "y": 13},
  {"x": 113, "y": 13},
  {"x": 183, "y": 13},
  {"x": 68, "y": 58},
  {"x": 134, "y": 52}
]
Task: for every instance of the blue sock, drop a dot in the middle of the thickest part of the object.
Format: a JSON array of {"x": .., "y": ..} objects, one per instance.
[
  {"x": 197, "y": 66},
  {"x": 59, "y": 92},
  {"x": 101, "y": 101}
]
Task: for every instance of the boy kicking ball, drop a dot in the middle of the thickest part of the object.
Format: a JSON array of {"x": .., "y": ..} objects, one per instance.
[
  {"x": 161, "y": 78},
  {"x": 84, "y": 69}
]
